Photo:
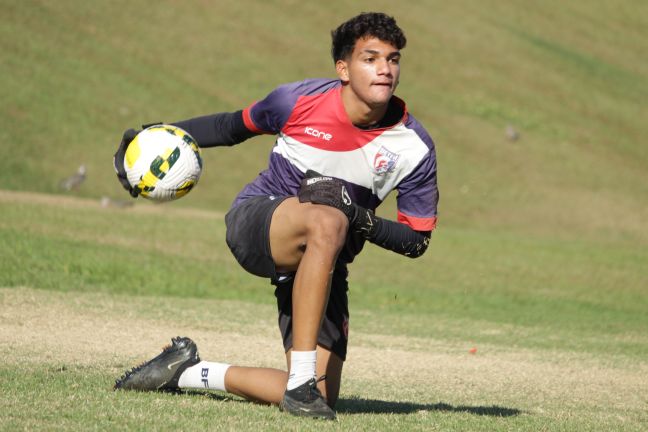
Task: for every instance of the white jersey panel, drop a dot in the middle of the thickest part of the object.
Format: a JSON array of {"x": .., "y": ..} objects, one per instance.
[{"x": 379, "y": 165}]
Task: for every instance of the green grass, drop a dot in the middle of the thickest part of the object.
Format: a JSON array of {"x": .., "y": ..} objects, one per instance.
[
  {"x": 586, "y": 291},
  {"x": 539, "y": 260},
  {"x": 144, "y": 270},
  {"x": 84, "y": 406}
]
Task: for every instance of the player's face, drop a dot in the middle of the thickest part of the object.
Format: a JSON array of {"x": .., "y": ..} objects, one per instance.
[{"x": 372, "y": 71}]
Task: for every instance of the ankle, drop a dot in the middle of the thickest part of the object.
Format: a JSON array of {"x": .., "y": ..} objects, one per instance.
[{"x": 302, "y": 368}]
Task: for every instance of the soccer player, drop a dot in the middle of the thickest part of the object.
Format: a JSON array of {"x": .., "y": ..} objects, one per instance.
[{"x": 342, "y": 146}]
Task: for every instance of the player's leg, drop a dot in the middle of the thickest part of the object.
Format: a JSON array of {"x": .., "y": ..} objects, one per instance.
[
  {"x": 303, "y": 239},
  {"x": 307, "y": 238},
  {"x": 264, "y": 385},
  {"x": 315, "y": 395},
  {"x": 268, "y": 385},
  {"x": 261, "y": 385},
  {"x": 179, "y": 366},
  {"x": 330, "y": 365}
]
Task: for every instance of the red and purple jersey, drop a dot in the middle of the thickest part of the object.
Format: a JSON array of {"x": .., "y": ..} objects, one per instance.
[{"x": 314, "y": 132}]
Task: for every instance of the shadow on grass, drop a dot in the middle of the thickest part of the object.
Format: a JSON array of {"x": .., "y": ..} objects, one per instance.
[{"x": 372, "y": 406}]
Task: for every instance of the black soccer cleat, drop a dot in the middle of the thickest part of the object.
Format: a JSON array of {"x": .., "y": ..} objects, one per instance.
[
  {"x": 162, "y": 372},
  {"x": 307, "y": 401}
]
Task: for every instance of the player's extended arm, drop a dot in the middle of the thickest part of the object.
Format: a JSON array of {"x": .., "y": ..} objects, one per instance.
[
  {"x": 222, "y": 129},
  {"x": 391, "y": 235},
  {"x": 385, "y": 233}
]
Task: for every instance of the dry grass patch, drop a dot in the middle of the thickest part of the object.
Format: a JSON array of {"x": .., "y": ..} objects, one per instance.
[{"x": 96, "y": 330}]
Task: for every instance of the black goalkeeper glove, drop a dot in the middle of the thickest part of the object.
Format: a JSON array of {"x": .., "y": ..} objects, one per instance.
[
  {"x": 118, "y": 161},
  {"x": 118, "y": 158},
  {"x": 329, "y": 191},
  {"x": 365, "y": 223},
  {"x": 390, "y": 235}
]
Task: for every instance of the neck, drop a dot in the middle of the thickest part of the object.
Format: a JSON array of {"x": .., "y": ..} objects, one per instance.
[{"x": 360, "y": 113}]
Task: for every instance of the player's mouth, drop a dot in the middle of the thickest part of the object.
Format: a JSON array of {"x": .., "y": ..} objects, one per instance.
[{"x": 383, "y": 86}]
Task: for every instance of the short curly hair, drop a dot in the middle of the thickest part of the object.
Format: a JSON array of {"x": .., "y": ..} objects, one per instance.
[{"x": 367, "y": 24}]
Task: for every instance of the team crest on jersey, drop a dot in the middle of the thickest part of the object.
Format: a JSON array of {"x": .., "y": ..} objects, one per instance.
[{"x": 385, "y": 161}]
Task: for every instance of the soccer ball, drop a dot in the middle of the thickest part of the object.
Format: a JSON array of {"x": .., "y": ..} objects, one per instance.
[{"x": 163, "y": 163}]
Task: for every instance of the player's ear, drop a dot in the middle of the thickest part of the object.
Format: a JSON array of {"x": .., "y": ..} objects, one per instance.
[{"x": 342, "y": 70}]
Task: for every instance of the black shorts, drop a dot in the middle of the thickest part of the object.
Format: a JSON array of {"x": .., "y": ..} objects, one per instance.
[{"x": 248, "y": 237}]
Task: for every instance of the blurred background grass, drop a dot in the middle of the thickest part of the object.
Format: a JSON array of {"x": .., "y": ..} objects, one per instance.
[{"x": 571, "y": 78}]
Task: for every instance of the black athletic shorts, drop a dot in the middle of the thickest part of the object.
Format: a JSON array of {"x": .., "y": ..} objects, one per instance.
[{"x": 248, "y": 237}]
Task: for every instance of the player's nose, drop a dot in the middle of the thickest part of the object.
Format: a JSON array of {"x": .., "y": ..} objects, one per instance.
[{"x": 382, "y": 67}]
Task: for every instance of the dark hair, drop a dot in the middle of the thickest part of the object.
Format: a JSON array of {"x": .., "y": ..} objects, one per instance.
[{"x": 367, "y": 24}]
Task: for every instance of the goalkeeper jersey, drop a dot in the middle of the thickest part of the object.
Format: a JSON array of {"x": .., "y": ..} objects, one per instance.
[{"x": 314, "y": 132}]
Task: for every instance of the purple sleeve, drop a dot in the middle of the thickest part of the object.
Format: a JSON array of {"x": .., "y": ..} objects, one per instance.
[
  {"x": 418, "y": 194},
  {"x": 271, "y": 114}
]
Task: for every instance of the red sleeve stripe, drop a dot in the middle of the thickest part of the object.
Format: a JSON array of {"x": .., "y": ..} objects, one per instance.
[
  {"x": 417, "y": 223},
  {"x": 247, "y": 119}
]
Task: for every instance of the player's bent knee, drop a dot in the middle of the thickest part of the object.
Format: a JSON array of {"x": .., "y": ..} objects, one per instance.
[
  {"x": 331, "y": 400},
  {"x": 327, "y": 227},
  {"x": 330, "y": 389}
]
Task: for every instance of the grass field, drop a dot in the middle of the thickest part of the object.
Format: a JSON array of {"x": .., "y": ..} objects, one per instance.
[
  {"x": 540, "y": 261},
  {"x": 85, "y": 298}
]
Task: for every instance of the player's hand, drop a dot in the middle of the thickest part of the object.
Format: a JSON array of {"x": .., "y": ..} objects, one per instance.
[
  {"x": 365, "y": 222},
  {"x": 319, "y": 189},
  {"x": 118, "y": 160}
]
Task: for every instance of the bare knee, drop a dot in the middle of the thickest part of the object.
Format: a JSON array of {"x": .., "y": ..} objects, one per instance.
[
  {"x": 331, "y": 397},
  {"x": 329, "y": 365},
  {"x": 326, "y": 228}
]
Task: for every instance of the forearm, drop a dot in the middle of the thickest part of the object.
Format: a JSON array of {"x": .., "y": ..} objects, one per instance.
[
  {"x": 223, "y": 129},
  {"x": 390, "y": 235},
  {"x": 394, "y": 236}
]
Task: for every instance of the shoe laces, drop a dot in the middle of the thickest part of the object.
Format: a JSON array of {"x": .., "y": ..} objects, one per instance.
[{"x": 314, "y": 392}]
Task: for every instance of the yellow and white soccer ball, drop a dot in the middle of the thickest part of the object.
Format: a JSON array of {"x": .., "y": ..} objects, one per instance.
[{"x": 163, "y": 163}]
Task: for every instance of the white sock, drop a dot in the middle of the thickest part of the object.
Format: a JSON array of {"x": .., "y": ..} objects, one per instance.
[
  {"x": 302, "y": 368},
  {"x": 204, "y": 375}
]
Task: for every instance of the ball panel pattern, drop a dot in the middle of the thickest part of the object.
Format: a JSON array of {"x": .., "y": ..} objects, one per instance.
[{"x": 163, "y": 163}]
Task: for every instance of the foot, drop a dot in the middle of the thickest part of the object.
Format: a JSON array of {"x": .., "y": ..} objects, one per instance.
[
  {"x": 306, "y": 401},
  {"x": 162, "y": 372}
]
